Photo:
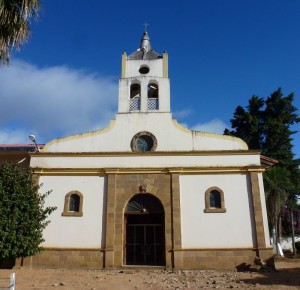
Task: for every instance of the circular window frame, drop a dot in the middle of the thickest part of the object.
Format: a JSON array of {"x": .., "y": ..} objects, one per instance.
[
  {"x": 135, "y": 138},
  {"x": 144, "y": 69}
]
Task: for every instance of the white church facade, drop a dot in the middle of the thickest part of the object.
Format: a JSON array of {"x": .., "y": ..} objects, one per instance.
[{"x": 148, "y": 191}]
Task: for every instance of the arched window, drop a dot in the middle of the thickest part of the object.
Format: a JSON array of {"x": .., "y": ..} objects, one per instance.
[
  {"x": 214, "y": 200},
  {"x": 73, "y": 204},
  {"x": 135, "y": 97},
  {"x": 153, "y": 93}
]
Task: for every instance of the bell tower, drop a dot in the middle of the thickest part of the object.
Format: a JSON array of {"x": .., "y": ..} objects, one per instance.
[{"x": 144, "y": 86}]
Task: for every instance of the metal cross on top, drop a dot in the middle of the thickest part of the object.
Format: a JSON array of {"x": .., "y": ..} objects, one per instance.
[{"x": 146, "y": 24}]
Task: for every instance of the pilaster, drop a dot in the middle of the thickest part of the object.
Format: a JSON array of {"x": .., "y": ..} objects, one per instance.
[
  {"x": 257, "y": 212},
  {"x": 110, "y": 221},
  {"x": 176, "y": 222}
]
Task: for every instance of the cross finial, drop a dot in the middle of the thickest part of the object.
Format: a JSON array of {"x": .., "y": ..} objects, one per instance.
[{"x": 145, "y": 24}]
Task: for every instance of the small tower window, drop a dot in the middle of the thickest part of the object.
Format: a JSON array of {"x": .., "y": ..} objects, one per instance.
[
  {"x": 73, "y": 204},
  {"x": 144, "y": 69},
  {"x": 153, "y": 103}
]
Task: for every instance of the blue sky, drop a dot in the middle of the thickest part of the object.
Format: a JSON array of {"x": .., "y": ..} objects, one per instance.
[{"x": 221, "y": 52}]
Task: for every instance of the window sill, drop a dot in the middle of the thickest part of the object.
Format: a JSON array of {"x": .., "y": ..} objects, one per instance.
[
  {"x": 214, "y": 210},
  {"x": 72, "y": 213}
]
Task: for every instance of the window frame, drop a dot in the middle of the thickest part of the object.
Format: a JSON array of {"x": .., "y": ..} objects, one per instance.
[
  {"x": 67, "y": 211},
  {"x": 208, "y": 208},
  {"x": 135, "y": 138}
]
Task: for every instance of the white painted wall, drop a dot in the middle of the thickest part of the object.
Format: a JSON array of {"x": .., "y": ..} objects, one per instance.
[
  {"x": 213, "y": 230},
  {"x": 146, "y": 161},
  {"x": 169, "y": 134},
  {"x": 286, "y": 242},
  {"x": 75, "y": 232},
  {"x": 155, "y": 65}
]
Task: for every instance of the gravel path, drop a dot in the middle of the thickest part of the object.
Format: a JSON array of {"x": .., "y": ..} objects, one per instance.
[{"x": 287, "y": 276}]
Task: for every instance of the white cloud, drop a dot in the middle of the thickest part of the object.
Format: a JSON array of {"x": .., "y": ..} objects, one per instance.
[
  {"x": 52, "y": 102},
  {"x": 214, "y": 126},
  {"x": 182, "y": 114},
  {"x": 13, "y": 137}
]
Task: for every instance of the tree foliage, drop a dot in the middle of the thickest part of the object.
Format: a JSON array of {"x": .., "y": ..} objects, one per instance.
[
  {"x": 265, "y": 124},
  {"x": 22, "y": 213},
  {"x": 279, "y": 115},
  {"x": 278, "y": 188},
  {"x": 248, "y": 124},
  {"x": 15, "y": 16}
]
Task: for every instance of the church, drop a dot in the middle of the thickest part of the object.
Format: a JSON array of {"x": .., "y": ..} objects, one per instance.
[{"x": 146, "y": 191}]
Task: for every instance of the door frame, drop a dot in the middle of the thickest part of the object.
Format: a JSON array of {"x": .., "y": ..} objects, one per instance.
[{"x": 142, "y": 212}]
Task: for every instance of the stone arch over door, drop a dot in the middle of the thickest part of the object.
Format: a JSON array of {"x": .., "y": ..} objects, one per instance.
[
  {"x": 121, "y": 188},
  {"x": 144, "y": 241}
]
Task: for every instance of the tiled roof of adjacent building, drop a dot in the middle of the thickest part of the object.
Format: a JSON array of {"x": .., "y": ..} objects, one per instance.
[{"x": 19, "y": 147}]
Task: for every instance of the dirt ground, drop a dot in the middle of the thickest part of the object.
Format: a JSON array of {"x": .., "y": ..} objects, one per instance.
[{"x": 286, "y": 276}]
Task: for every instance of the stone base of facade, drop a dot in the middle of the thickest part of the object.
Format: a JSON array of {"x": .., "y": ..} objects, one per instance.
[
  {"x": 213, "y": 259},
  {"x": 65, "y": 258},
  {"x": 189, "y": 259}
]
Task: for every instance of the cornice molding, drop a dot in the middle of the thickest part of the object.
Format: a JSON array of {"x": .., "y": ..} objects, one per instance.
[
  {"x": 150, "y": 154},
  {"x": 181, "y": 171}
]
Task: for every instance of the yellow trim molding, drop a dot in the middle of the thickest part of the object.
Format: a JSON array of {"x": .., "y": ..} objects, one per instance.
[
  {"x": 220, "y": 249},
  {"x": 124, "y": 57},
  {"x": 106, "y": 171},
  {"x": 138, "y": 154},
  {"x": 165, "y": 65},
  {"x": 71, "y": 249}
]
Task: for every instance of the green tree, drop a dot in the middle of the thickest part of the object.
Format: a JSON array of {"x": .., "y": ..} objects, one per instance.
[
  {"x": 278, "y": 188},
  {"x": 15, "y": 16},
  {"x": 22, "y": 213},
  {"x": 266, "y": 125},
  {"x": 247, "y": 124},
  {"x": 279, "y": 115}
]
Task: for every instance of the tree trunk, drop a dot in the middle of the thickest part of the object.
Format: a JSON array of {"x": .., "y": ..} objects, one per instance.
[
  {"x": 293, "y": 233},
  {"x": 279, "y": 230}
]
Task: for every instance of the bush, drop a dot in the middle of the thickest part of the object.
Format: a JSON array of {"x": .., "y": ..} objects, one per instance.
[{"x": 23, "y": 216}]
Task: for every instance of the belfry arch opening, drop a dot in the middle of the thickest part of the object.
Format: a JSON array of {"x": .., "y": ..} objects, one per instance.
[
  {"x": 153, "y": 96},
  {"x": 144, "y": 231},
  {"x": 152, "y": 90},
  {"x": 135, "y": 91},
  {"x": 135, "y": 97}
]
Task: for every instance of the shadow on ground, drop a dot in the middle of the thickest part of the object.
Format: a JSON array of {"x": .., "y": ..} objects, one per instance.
[
  {"x": 7, "y": 263},
  {"x": 287, "y": 273}
]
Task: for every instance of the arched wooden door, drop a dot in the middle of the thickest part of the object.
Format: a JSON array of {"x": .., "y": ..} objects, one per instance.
[{"x": 144, "y": 231}]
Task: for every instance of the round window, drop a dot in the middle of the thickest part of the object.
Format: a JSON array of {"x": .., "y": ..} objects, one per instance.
[
  {"x": 143, "y": 142},
  {"x": 144, "y": 69}
]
